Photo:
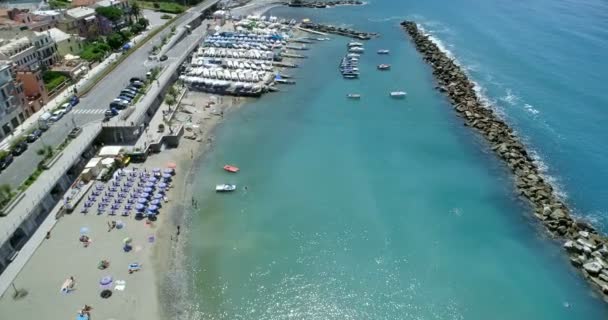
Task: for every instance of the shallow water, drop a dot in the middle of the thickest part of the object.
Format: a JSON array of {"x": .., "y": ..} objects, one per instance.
[{"x": 390, "y": 209}]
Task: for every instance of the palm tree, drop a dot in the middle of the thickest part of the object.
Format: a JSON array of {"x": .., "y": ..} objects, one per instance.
[{"x": 135, "y": 10}]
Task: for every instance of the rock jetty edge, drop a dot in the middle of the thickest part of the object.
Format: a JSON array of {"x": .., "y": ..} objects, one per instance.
[{"x": 586, "y": 248}]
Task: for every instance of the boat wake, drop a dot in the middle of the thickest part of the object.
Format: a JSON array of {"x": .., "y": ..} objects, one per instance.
[{"x": 393, "y": 18}]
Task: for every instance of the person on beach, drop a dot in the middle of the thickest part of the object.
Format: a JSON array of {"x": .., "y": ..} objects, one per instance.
[
  {"x": 178, "y": 230},
  {"x": 48, "y": 235}
]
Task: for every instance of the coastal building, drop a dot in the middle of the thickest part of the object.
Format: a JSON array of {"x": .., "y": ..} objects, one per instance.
[
  {"x": 34, "y": 90},
  {"x": 81, "y": 21},
  {"x": 11, "y": 101},
  {"x": 20, "y": 51},
  {"x": 27, "y": 49},
  {"x": 66, "y": 43},
  {"x": 39, "y": 20}
]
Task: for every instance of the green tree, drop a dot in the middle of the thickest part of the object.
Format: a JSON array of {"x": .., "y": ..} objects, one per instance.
[
  {"x": 112, "y": 13},
  {"x": 115, "y": 40},
  {"x": 6, "y": 193},
  {"x": 143, "y": 22},
  {"x": 135, "y": 10}
]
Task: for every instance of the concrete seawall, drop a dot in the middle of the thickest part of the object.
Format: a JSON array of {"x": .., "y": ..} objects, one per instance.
[{"x": 587, "y": 250}]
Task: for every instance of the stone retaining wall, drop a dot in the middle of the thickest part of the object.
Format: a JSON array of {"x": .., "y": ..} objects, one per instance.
[{"x": 587, "y": 250}]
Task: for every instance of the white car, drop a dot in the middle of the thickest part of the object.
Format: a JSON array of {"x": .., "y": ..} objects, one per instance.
[
  {"x": 67, "y": 107},
  {"x": 57, "y": 114}
]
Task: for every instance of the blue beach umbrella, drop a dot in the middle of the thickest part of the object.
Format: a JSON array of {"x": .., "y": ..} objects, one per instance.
[
  {"x": 142, "y": 200},
  {"x": 140, "y": 207},
  {"x": 166, "y": 176},
  {"x": 158, "y": 196},
  {"x": 168, "y": 171},
  {"x": 156, "y": 202},
  {"x": 149, "y": 184},
  {"x": 144, "y": 195},
  {"x": 84, "y": 230},
  {"x": 162, "y": 185},
  {"x": 148, "y": 190},
  {"x": 153, "y": 208},
  {"x": 152, "y": 179},
  {"x": 156, "y": 170}
]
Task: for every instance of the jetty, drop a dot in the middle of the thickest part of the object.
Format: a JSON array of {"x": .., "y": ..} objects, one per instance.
[
  {"x": 585, "y": 247},
  {"x": 347, "y": 32},
  {"x": 323, "y": 4},
  {"x": 292, "y": 55}
]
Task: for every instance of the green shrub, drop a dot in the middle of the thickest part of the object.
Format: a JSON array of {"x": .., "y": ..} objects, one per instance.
[
  {"x": 165, "y": 17},
  {"x": 112, "y": 13},
  {"x": 53, "y": 79}
]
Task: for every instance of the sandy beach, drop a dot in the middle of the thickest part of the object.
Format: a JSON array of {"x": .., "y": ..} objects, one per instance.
[{"x": 154, "y": 291}]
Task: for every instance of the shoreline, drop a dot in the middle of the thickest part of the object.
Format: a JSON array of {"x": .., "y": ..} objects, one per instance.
[{"x": 585, "y": 247}]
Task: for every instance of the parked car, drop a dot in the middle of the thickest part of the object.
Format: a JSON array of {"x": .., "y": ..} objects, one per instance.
[
  {"x": 163, "y": 57},
  {"x": 118, "y": 105},
  {"x": 66, "y": 107},
  {"x": 133, "y": 88},
  {"x": 6, "y": 161},
  {"x": 137, "y": 84},
  {"x": 136, "y": 79},
  {"x": 19, "y": 148},
  {"x": 109, "y": 114},
  {"x": 128, "y": 94},
  {"x": 57, "y": 114},
  {"x": 33, "y": 136},
  {"x": 126, "y": 98}
]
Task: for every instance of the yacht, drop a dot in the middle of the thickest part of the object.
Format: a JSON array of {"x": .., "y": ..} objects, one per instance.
[
  {"x": 384, "y": 67},
  {"x": 354, "y": 96},
  {"x": 383, "y": 51},
  {"x": 225, "y": 187}
]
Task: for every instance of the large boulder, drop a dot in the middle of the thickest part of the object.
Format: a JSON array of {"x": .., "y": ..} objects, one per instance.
[
  {"x": 593, "y": 268},
  {"x": 558, "y": 214}
]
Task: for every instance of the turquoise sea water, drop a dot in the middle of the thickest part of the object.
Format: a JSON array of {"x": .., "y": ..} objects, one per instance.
[{"x": 391, "y": 209}]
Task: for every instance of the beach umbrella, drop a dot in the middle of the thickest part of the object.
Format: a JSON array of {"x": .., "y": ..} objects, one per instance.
[
  {"x": 144, "y": 195},
  {"x": 105, "y": 281},
  {"x": 153, "y": 208},
  {"x": 127, "y": 240},
  {"x": 156, "y": 202},
  {"x": 166, "y": 176},
  {"x": 152, "y": 179},
  {"x": 162, "y": 185},
  {"x": 140, "y": 207},
  {"x": 84, "y": 230},
  {"x": 151, "y": 214},
  {"x": 148, "y": 190},
  {"x": 156, "y": 170},
  {"x": 149, "y": 184},
  {"x": 158, "y": 196},
  {"x": 169, "y": 171},
  {"x": 142, "y": 200}
]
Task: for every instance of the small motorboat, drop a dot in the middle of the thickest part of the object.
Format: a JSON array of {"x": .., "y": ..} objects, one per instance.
[
  {"x": 225, "y": 187},
  {"x": 383, "y": 51},
  {"x": 384, "y": 67},
  {"x": 230, "y": 168},
  {"x": 356, "y": 50},
  {"x": 398, "y": 94},
  {"x": 355, "y": 96}
]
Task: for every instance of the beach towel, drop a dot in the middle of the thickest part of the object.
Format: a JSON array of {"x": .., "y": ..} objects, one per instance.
[
  {"x": 66, "y": 286},
  {"x": 120, "y": 285}
]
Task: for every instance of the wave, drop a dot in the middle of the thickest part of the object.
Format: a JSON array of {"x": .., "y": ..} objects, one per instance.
[{"x": 490, "y": 103}]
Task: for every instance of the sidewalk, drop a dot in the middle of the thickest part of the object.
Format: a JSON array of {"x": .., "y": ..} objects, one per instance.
[{"x": 65, "y": 94}]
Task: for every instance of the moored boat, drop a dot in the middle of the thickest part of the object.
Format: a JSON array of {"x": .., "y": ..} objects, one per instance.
[
  {"x": 398, "y": 94},
  {"x": 384, "y": 67},
  {"x": 225, "y": 187},
  {"x": 355, "y": 44},
  {"x": 230, "y": 168},
  {"x": 355, "y": 96},
  {"x": 356, "y": 49},
  {"x": 383, "y": 51}
]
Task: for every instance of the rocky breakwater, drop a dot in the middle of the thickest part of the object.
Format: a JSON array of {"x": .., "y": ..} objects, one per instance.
[
  {"x": 323, "y": 4},
  {"x": 338, "y": 30},
  {"x": 586, "y": 248}
]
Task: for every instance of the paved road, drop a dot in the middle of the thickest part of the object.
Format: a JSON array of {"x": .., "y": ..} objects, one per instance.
[{"x": 93, "y": 105}]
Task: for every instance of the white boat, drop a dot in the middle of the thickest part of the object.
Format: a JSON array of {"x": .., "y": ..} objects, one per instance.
[
  {"x": 356, "y": 49},
  {"x": 354, "y": 96},
  {"x": 225, "y": 187},
  {"x": 398, "y": 94},
  {"x": 353, "y": 55},
  {"x": 383, "y": 51},
  {"x": 355, "y": 44}
]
